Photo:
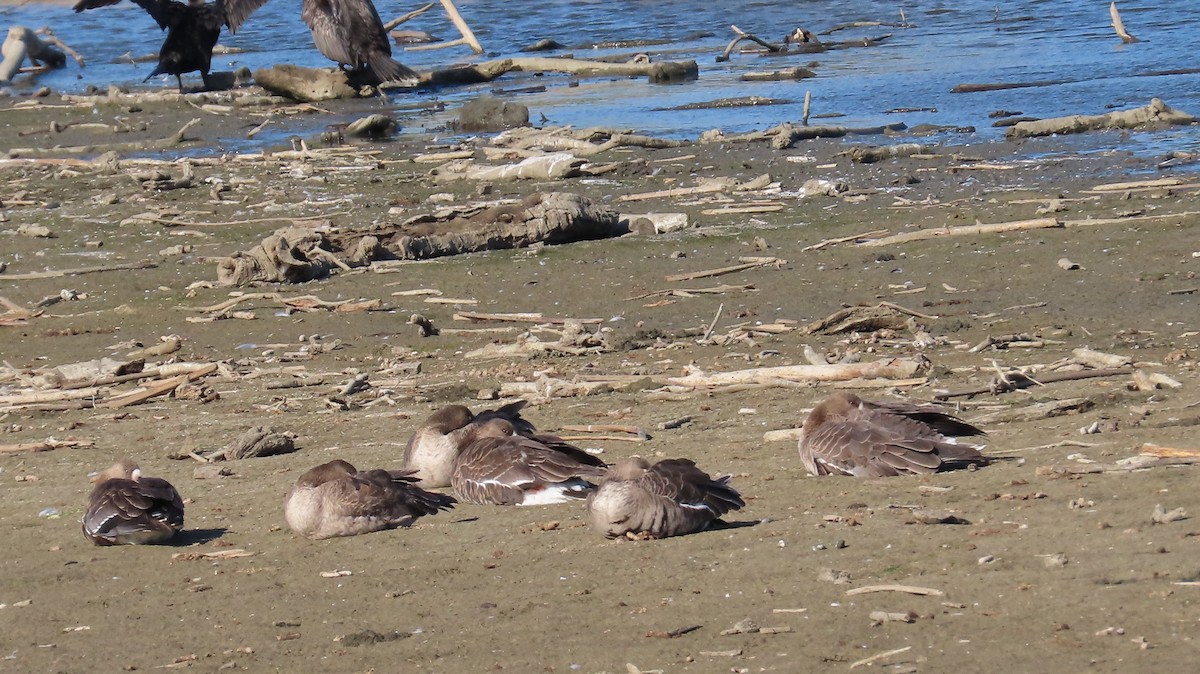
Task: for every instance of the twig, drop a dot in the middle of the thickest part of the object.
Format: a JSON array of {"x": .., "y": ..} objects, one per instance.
[
  {"x": 688, "y": 292},
  {"x": 1016, "y": 380},
  {"x": 522, "y": 318},
  {"x": 722, "y": 270},
  {"x": 250, "y": 221},
  {"x": 907, "y": 589},
  {"x": 44, "y": 445},
  {"x": 407, "y": 17},
  {"x": 608, "y": 428},
  {"x": 713, "y": 325},
  {"x": 878, "y": 656},
  {"x": 844, "y": 239},
  {"x": 144, "y": 264},
  {"x": 677, "y": 632},
  {"x": 964, "y": 230}
]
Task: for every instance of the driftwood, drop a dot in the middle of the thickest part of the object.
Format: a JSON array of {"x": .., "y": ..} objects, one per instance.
[
  {"x": 1119, "y": 25},
  {"x": 882, "y": 316},
  {"x": 257, "y": 441},
  {"x": 870, "y": 155},
  {"x": 785, "y": 135},
  {"x": 555, "y": 166},
  {"x": 295, "y": 255},
  {"x": 77, "y": 271},
  {"x": 468, "y": 37},
  {"x": 964, "y": 230},
  {"x": 524, "y": 318},
  {"x": 44, "y": 445},
  {"x": 1155, "y": 115},
  {"x": 22, "y": 42},
  {"x": 1035, "y": 412},
  {"x": 743, "y": 35},
  {"x": 888, "y": 368},
  {"x": 1015, "y": 381},
  {"x": 745, "y": 263}
]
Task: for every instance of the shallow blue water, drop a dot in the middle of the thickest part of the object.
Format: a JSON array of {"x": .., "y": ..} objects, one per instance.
[{"x": 950, "y": 42}]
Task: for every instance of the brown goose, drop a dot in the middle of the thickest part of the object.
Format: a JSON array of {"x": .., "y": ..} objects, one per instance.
[
  {"x": 335, "y": 499},
  {"x": 670, "y": 498},
  {"x": 503, "y": 468},
  {"x": 432, "y": 449},
  {"x": 128, "y": 509},
  {"x": 846, "y": 435}
]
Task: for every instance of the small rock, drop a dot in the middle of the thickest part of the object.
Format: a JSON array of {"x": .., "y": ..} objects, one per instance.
[
  {"x": 1065, "y": 264},
  {"x": 1055, "y": 561},
  {"x": 835, "y": 577},
  {"x": 210, "y": 472},
  {"x": 1162, "y": 516}
]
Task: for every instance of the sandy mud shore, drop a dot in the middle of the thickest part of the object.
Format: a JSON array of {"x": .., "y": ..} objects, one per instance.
[{"x": 1058, "y": 564}]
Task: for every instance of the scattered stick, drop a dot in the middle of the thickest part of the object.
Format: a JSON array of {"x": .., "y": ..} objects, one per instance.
[
  {"x": 724, "y": 270},
  {"x": 608, "y": 428},
  {"x": 965, "y": 230},
  {"x": 678, "y": 632},
  {"x": 874, "y": 234},
  {"x": 895, "y": 368},
  {"x": 878, "y": 656},
  {"x": 407, "y": 17},
  {"x": 1016, "y": 380},
  {"x": 907, "y": 589},
  {"x": 523, "y": 318},
  {"x": 143, "y": 264},
  {"x": 45, "y": 445},
  {"x": 713, "y": 325},
  {"x": 1139, "y": 462},
  {"x": 689, "y": 292}
]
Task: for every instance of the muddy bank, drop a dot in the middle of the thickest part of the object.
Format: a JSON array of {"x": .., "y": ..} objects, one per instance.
[{"x": 1052, "y": 569}]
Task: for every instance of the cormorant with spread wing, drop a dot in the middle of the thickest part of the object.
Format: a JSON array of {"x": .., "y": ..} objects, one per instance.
[
  {"x": 192, "y": 31},
  {"x": 351, "y": 33}
]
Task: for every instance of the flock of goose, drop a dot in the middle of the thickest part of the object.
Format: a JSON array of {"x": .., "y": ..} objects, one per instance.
[
  {"x": 496, "y": 457},
  {"x": 348, "y": 32}
]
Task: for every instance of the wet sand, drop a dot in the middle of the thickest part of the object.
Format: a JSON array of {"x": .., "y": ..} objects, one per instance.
[{"x": 1052, "y": 572}]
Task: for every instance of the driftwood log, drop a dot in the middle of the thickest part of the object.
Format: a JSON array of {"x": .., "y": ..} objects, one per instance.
[
  {"x": 1155, "y": 115},
  {"x": 295, "y": 255},
  {"x": 888, "y": 368},
  {"x": 22, "y": 42}
]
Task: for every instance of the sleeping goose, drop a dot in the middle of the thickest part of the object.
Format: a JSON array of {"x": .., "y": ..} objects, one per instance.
[
  {"x": 501, "y": 467},
  {"x": 335, "y": 499},
  {"x": 669, "y": 498},
  {"x": 432, "y": 449},
  {"x": 846, "y": 435},
  {"x": 126, "y": 508}
]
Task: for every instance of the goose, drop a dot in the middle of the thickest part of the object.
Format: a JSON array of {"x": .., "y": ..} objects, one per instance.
[
  {"x": 126, "y": 508},
  {"x": 846, "y": 435},
  {"x": 431, "y": 450},
  {"x": 335, "y": 499},
  {"x": 502, "y": 467},
  {"x": 669, "y": 498}
]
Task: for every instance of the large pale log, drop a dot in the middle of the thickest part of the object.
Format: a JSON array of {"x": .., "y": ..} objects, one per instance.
[
  {"x": 964, "y": 230},
  {"x": 889, "y": 368},
  {"x": 1156, "y": 114}
]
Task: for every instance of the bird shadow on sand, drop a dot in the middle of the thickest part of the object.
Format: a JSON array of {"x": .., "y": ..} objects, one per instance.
[{"x": 196, "y": 536}]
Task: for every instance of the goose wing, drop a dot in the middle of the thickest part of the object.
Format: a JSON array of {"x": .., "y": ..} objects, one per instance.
[{"x": 120, "y": 508}]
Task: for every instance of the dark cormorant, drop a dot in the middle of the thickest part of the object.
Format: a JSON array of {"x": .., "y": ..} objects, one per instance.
[
  {"x": 192, "y": 30},
  {"x": 351, "y": 33}
]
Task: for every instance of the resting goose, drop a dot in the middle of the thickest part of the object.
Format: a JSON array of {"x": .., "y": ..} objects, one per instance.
[
  {"x": 501, "y": 467},
  {"x": 335, "y": 499},
  {"x": 846, "y": 435},
  {"x": 669, "y": 498},
  {"x": 431, "y": 451},
  {"x": 126, "y": 508}
]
